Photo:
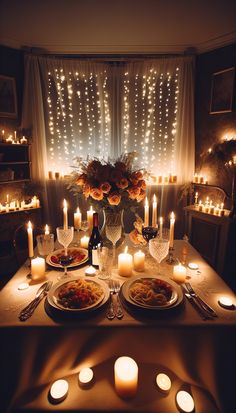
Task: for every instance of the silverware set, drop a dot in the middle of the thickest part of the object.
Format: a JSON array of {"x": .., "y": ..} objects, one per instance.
[
  {"x": 114, "y": 308},
  {"x": 40, "y": 294},
  {"x": 205, "y": 311}
]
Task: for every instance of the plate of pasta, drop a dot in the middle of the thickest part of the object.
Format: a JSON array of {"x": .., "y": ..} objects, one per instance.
[
  {"x": 79, "y": 255},
  {"x": 150, "y": 292},
  {"x": 78, "y": 294}
]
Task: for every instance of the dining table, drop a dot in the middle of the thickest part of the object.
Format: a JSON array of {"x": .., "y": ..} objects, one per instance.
[{"x": 198, "y": 355}]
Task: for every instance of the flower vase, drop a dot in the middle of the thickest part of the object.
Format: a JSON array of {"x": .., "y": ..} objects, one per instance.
[{"x": 113, "y": 230}]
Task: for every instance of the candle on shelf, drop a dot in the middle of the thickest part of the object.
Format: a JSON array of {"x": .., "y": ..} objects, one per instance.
[
  {"x": 77, "y": 219},
  {"x": 212, "y": 209},
  {"x": 159, "y": 179},
  {"x": 172, "y": 225},
  {"x": 57, "y": 175},
  {"x": 196, "y": 198},
  {"x": 15, "y": 135},
  {"x": 3, "y": 134},
  {"x": 179, "y": 273},
  {"x": 65, "y": 215},
  {"x": 217, "y": 209},
  {"x": 37, "y": 268},
  {"x": 46, "y": 229},
  {"x": 7, "y": 198},
  {"x": 139, "y": 258},
  {"x": 205, "y": 181},
  {"x": 146, "y": 213},
  {"x": 174, "y": 179},
  {"x": 50, "y": 174},
  {"x": 85, "y": 377},
  {"x": 90, "y": 217},
  {"x": 125, "y": 263},
  {"x": 166, "y": 179},
  {"x": 161, "y": 227},
  {"x": 30, "y": 240},
  {"x": 201, "y": 179},
  {"x": 222, "y": 211},
  {"x": 185, "y": 401},
  {"x": 23, "y": 140},
  {"x": 195, "y": 179},
  {"x": 126, "y": 377},
  {"x": 84, "y": 241},
  {"x": 163, "y": 382},
  {"x": 37, "y": 203},
  {"x": 59, "y": 390},
  {"x": 154, "y": 211}
]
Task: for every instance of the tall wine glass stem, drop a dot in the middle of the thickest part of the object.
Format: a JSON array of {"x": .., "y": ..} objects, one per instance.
[{"x": 113, "y": 254}]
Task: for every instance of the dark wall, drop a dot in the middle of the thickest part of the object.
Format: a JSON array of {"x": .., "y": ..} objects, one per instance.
[
  {"x": 12, "y": 65},
  {"x": 210, "y": 128}
]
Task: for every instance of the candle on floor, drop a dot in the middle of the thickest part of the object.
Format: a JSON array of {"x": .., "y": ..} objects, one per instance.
[
  {"x": 154, "y": 211},
  {"x": 77, "y": 219},
  {"x": 179, "y": 273},
  {"x": 85, "y": 376},
  {"x": 146, "y": 213},
  {"x": 172, "y": 225},
  {"x": 90, "y": 217},
  {"x": 139, "y": 259},
  {"x": 37, "y": 268},
  {"x": 65, "y": 215},
  {"x": 59, "y": 390},
  {"x": 84, "y": 241},
  {"x": 125, "y": 264},
  {"x": 226, "y": 302},
  {"x": 126, "y": 377},
  {"x": 185, "y": 401},
  {"x": 30, "y": 240},
  {"x": 163, "y": 382}
]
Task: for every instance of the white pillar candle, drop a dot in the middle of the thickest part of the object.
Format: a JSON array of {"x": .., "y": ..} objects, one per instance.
[
  {"x": 85, "y": 376},
  {"x": 196, "y": 197},
  {"x": 185, "y": 401},
  {"x": 77, "y": 219},
  {"x": 200, "y": 206},
  {"x": 154, "y": 211},
  {"x": 59, "y": 390},
  {"x": 30, "y": 240},
  {"x": 84, "y": 241},
  {"x": 146, "y": 213},
  {"x": 126, "y": 377},
  {"x": 161, "y": 227},
  {"x": 65, "y": 215},
  {"x": 37, "y": 268},
  {"x": 46, "y": 229},
  {"x": 125, "y": 264},
  {"x": 172, "y": 225},
  {"x": 90, "y": 217},
  {"x": 179, "y": 273},
  {"x": 163, "y": 382},
  {"x": 139, "y": 259}
]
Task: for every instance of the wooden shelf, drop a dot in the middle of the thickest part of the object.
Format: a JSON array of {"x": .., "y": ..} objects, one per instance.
[
  {"x": 15, "y": 181},
  {"x": 15, "y": 163}
]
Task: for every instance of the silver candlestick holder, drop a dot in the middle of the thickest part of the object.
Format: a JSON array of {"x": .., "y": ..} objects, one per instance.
[{"x": 171, "y": 260}]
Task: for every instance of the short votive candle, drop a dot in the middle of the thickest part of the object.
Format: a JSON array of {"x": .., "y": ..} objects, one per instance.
[
  {"x": 139, "y": 261},
  {"x": 179, "y": 273}
]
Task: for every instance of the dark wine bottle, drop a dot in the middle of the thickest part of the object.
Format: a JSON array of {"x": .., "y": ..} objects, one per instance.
[{"x": 94, "y": 241}]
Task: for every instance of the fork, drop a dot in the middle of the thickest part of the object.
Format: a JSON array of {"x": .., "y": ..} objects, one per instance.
[
  {"x": 119, "y": 311},
  {"x": 24, "y": 315},
  {"x": 111, "y": 310},
  {"x": 202, "y": 303}
]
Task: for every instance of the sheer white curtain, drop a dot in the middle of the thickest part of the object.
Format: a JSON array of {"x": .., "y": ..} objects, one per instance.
[{"x": 158, "y": 115}]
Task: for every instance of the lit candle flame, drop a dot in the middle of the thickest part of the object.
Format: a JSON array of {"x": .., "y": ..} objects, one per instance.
[
  {"x": 29, "y": 225},
  {"x": 64, "y": 204},
  {"x": 46, "y": 229},
  {"x": 172, "y": 215}
]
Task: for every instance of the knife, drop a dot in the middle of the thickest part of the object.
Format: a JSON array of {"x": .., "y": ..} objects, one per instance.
[
  {"x": 205, "y": 306},
  {"x": 203, "y": 314},
  {"x": 29, "y": 309}
]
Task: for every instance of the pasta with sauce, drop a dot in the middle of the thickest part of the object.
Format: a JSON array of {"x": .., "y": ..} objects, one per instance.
[
  {"x": 80, "y": 294},
  {"x": 150, "y": 292}
]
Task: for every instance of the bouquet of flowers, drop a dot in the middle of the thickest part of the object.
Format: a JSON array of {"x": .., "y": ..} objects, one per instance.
[{"x": 112, "y": 185}]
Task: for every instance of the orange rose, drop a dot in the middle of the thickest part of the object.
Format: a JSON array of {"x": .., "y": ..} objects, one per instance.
[
  {"x": 136, "y": 238},
  {"x": 86, "y": 190},
  {"x": 122, "y": 184},
  {"x": 142, "y": 184},
  {"x": 96, "y": 193},
  {"x": 135, "y": 177},
  {"x": 134, "y": 192},
  {"x": 81, "y": 179},
  {"x": 105, "y": 187},
  {"x": 141, "y": 195},
  {"x": 114, "y": 198}
]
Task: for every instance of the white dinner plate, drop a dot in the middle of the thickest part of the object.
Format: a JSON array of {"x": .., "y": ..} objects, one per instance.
[
  {"x": 74, "y": 251},
  {"x": 175, "y": 299},
  {"x": 53, "y": 298}
]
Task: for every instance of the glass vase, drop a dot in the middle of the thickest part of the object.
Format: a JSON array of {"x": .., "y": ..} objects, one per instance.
[{"x": 113, "y": 220}]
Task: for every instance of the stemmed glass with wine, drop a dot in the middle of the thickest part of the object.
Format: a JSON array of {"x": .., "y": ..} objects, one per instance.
[
  {"x": 65, "y": 237},
  {"x": 149, "y": 233}
]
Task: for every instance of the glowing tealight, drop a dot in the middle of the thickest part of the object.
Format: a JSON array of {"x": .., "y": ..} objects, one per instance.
[
  {"x": 225, "y": 302},
  {"x": 193, "y": 266},
  {"x": 163, "y": 382},
  {"x": 23, "y": 286},
  {"x": 85, "y": 376},
  {"x": 185, "y": 401},
  {"x": 90, "y": 271},
  {"x": 59, "y": 390}
]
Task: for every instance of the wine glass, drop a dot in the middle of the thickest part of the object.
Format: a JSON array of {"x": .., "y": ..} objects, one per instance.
[
  {"x": 65, "y": 237},
  {"x": 158, "y": 248},
  {"x": 113, "y": 233},
  {"x": 149, "y": 233},
  {"x": 84, "y": 226}
]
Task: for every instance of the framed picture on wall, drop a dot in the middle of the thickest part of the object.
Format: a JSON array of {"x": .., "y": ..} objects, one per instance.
[
  {"x": 8, "y": 100},
  {"x": 222, "y": 90}
]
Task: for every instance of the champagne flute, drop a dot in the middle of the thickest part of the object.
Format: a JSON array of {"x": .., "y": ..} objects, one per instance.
[
  {"x": 158, "y": 248},
  {"x": 65, "y": 237}
]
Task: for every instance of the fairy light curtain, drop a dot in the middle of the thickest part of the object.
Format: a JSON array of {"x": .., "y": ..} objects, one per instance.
[{"x": 157, "y": 115}]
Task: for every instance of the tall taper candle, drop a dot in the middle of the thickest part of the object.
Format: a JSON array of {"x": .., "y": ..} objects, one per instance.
[
  {"x": 146, "y": 213},
  {"x": 154, "y": 211},
  {"x": 172, "y": 225},
  {"x": 161, "y": 227},
  {"x": 30, "y": 240},
  {"x": 65, "y": 216}
]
